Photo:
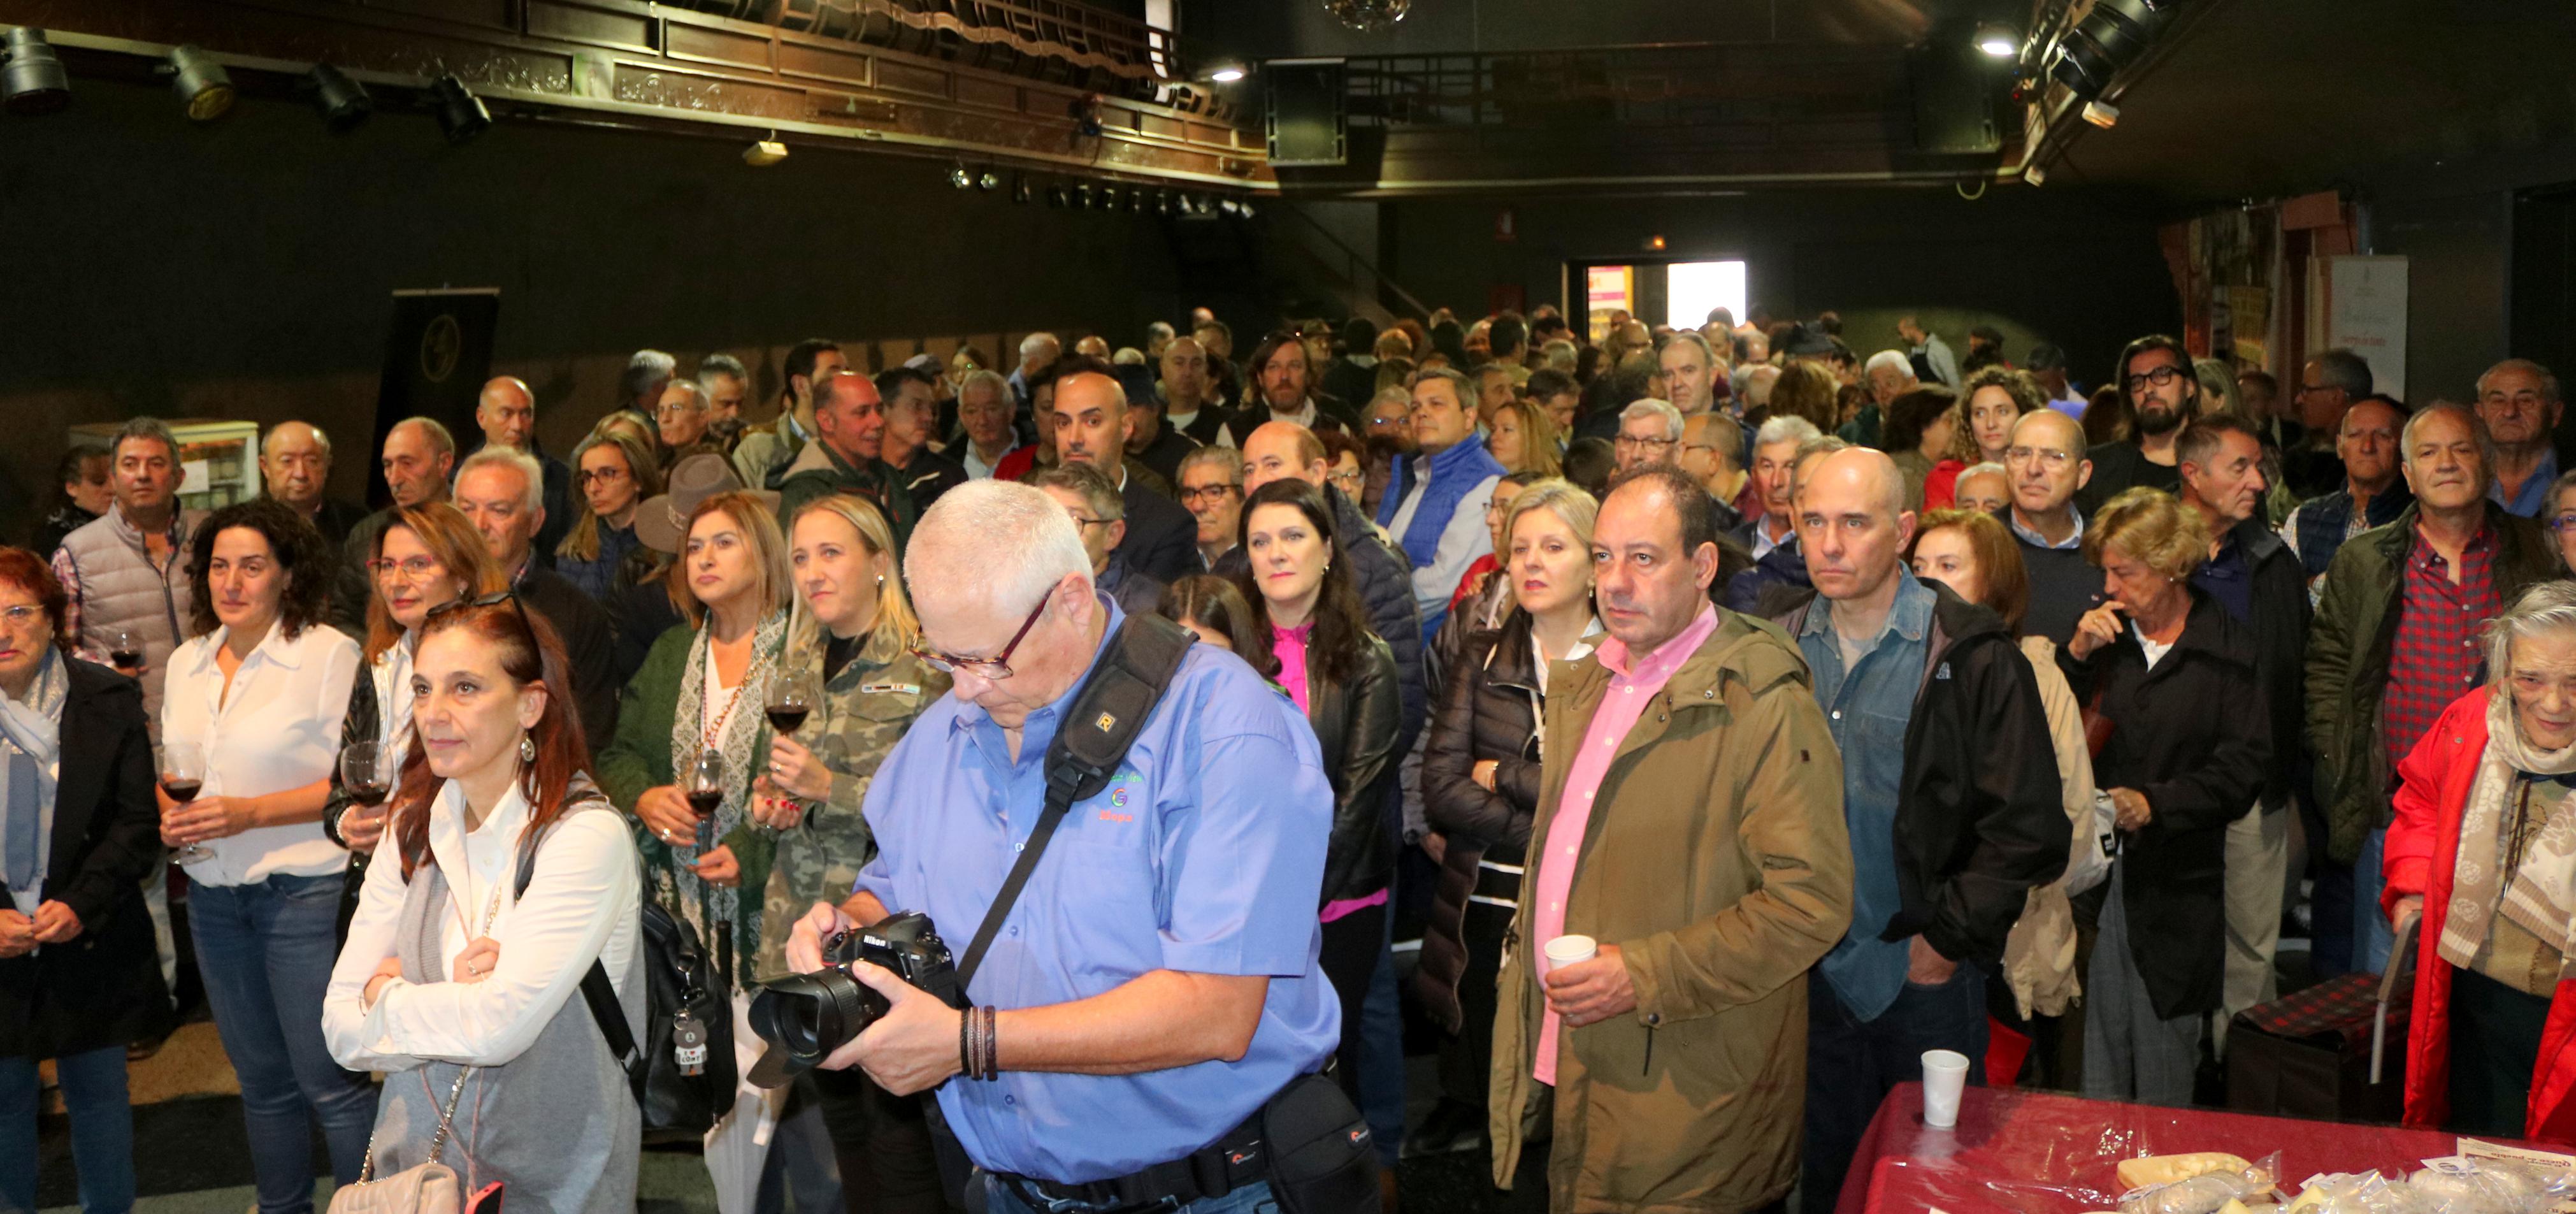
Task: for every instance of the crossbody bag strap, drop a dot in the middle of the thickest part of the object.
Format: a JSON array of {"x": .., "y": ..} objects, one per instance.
[
  {"x": 1099, "y": 725},
  {"x": 596, "y": 990}
]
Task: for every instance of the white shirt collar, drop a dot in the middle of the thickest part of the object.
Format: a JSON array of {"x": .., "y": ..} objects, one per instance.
[
  {"x": 274, "y": 648},
  {"x": 490, "y": 850}
]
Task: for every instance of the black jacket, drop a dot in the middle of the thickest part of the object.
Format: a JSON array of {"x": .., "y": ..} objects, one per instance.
[
  {"x": 2280, "y": 653},
  {"x": 927, "y": 476},
  {"x": 1162, "y": 539},
  {"x": 1355, "y": 726},
  {"x": 2121, "y": 466},
  {"x": 1489, "y": 710},
  {"x": 1980, "y": 817},
  {"x": 1384, "y": 580},
  {"x": 1163, "y": 455},
  {"x": 104, "y": 987},
  {"x": 590, "y": 647},
  {"x": 2199, "y": 766}
]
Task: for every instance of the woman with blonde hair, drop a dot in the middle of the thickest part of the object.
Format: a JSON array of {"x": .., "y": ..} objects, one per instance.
[
  {"x": 1524, "y": 439},
  {"x": 615, "y": 473},
  {"x": 2157, "y": 658},
  {"x": 691, "y": 721},
  {"x": 852, "y": 644}
]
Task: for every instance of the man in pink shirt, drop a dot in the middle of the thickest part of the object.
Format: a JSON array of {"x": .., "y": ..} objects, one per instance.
[{"x": 1691, "y": 823}]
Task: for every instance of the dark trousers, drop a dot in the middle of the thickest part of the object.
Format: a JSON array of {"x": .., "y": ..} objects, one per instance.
[
  {"x": 2330, "y": 946},
  {"x": 882, "y": 1144},
  {"x": 1852, "y": 1064},
  {"x": 1467, "y": 1056},
  {"x": 2495, "y": 1044},
  {"x": 1351, "y": 946}
]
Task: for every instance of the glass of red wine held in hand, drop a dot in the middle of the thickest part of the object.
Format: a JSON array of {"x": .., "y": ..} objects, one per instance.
[
  {"x": 183, "y": 773},
  {"x": 366, "y": 771},
  {"x": 791, "y": 700},
  {"x": 125, "y": 650},
  {"x": 704, "y": 788}
]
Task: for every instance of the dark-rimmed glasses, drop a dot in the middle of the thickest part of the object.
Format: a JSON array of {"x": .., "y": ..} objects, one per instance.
[{"x": 996, "y": 667}]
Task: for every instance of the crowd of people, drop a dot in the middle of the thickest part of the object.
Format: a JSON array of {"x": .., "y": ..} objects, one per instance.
[{"x": 1841, "y": 706}]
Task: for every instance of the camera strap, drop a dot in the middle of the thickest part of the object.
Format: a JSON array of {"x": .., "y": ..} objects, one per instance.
[{"x": 1102, "y": 722}]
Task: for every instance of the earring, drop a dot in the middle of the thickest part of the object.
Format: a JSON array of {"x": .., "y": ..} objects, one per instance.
[
  {"x": 880, "y": 581},
  {"x": 527, "y": 748}
]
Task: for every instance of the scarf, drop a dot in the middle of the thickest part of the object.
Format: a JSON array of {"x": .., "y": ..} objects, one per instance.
[
  {"x": 1452, "y": 474},
  {"x": 31, "y": 741},
  {"x": 743, "y": 730},
  {"x": 2540, "y": 893}
]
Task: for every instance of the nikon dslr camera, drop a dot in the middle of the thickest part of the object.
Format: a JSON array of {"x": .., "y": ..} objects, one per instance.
[{"x": 806, "y": 1017}]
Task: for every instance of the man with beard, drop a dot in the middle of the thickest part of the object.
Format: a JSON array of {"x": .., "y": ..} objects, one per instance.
[
  {"x": 2161, "y": 395},
  {"x": 1284, "y": 384}
]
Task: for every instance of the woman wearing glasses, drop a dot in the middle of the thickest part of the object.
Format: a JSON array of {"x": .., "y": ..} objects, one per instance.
[
  {"x": 79, "y": 978},
  {"x": 257, "y": 694},
  {"x": 427, "y": 557},
  {"x": 506, "y": 879},
  {"x": 857, "y": 631},
  {"x": 616, "y": 474},
  {"x": 1342, "y": 676},
  {"x": 690, "y": 731}
]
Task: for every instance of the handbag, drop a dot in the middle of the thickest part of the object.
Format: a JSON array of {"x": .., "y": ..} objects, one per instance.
[{"x": 423, "y": 1188}]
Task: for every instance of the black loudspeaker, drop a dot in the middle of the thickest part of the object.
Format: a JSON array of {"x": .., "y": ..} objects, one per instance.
[
  {"x": 1954, "y": 98},
  {"x": 1308, "y": 121}
]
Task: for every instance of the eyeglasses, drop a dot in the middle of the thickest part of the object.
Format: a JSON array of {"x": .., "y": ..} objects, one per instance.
[
  {"x": 2562, "y": 524},
  {"x": 1630, "y": 440},
  {"x": 600, "y": 474},
  {"x": 2049, "y": 456},
  {"x": 22, "y": 615},
  {"x": 2160, "y": 377},
  {"x": 1080, "y": 521},
  {"x": 1347, "y": 476},
  {"x": 1206, "y": 493},
  {"x": 413, "y": 569},
  {"x": 675, "y": 410},
  {"x": 996, "y": 667},
  {"x": 490, "y": 600}
]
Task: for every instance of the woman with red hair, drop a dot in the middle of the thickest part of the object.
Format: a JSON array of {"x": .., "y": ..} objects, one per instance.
[
  {"x": 511, "y": 879},
  {"x": 79, "y": 977}
]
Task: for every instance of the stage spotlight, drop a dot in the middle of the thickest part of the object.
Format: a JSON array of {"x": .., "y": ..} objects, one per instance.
[
  {"x": 1136, "y": 200},
  {"x": 1998, "y": 41},
  {"x": 1163, "y": 203},
  {"x": 2102, "y": 114},
  {"x": 960, "y": 178},
  {"x": 1058, "y": 197},
  {"x": 32, "y": 80},
  {"x": 1082, "y": 196},
  {"x": 461, "y": 114},
  {"x": 990, "y": 181},
  {"x": 1229, "y": 207},
  {"x": 765, "y": 152},
  {"x": 2111, "y": 37},
  {"x": 202, "y": 84},
  {"x": 1019, "y": 187},
  {"x": 1244, "y": 208},
  {"x": 2035, "y": 175},
  {"x": 344, "y": 102}
]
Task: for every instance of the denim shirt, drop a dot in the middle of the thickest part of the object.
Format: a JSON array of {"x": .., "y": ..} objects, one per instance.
[{"x": 1866, "y": 708}]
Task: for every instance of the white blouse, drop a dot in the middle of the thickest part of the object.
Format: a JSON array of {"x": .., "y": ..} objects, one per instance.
[
  {"x": 583, "y": 904},
  {"x": 278, "y": 729}
]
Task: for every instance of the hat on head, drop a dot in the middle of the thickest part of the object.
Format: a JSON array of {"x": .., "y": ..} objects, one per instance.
[
  {"x": 1804, "y": 340},
  {"x": 662, "y": 522}
]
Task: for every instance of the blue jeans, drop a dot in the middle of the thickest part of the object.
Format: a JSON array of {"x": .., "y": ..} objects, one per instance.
[
  {"x": 1382, "y": 1058},
  {"x": 102, "y": 1129},
  {"x": 265, "y": 952},
  {"x": 999, "y": 1199},
  {"x": 1852, "y": 1064},
  {"x": 2372, "y": 938}
]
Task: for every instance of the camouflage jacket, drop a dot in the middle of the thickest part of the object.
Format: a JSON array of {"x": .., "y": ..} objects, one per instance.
[{"x": 864, "y": 712}]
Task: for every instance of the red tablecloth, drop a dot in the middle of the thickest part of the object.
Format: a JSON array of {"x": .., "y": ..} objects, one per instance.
[{"x": 2041, "y": 1153}]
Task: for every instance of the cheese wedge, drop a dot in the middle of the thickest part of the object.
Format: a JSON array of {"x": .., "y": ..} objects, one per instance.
[{"x": 2169, "y": 1169}]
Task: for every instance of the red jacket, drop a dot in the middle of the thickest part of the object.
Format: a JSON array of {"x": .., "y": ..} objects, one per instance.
[{"x": 2423, "y": 851}]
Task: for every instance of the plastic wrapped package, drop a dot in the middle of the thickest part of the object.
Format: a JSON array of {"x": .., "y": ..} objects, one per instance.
[{"x": 2206, "y": 1193}]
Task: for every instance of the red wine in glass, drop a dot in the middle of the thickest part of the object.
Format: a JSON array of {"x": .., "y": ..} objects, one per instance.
[
  {"x": 704, "y": 803},
  {"x": 788, "y": 718},
  {"x": 182, "y": 789},
  {"x": 370, "y": 795},
  {"x": 126, "y": 659}
]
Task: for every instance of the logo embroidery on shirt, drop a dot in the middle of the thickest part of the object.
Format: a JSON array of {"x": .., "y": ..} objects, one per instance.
[
  {"x": 1942, "y": 673},
  {"x": 909, "y": 689}
]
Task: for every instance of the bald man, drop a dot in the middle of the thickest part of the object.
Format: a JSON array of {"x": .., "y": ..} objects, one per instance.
[
  {"x": 2046, "y": 467},
  {"x": 1090, "y": 426},
  {"x": 419, "y": 457},
  {"x": 507, "y": 414},
  {"x": 1953, "y": 814},
  {"x": 1281, "y": 450},
  {"x": 295, "y": 468}
]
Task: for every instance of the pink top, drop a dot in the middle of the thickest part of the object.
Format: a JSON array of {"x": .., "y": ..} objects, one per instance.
[
  {"x": 1289, "y": 644},
  {"x": 1622, "y": 702}
]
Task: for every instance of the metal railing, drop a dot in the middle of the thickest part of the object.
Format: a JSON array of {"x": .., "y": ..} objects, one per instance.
[
  {"x": 1355, "y": 268},
  {"x": 1046, "y": 39}
]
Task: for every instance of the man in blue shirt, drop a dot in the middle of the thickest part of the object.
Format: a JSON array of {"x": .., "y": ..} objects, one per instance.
[
  {"x": 1950, "y": 792},
  {"x": 1157, "y": 977},
  {"x": 2518, "y": 400}
]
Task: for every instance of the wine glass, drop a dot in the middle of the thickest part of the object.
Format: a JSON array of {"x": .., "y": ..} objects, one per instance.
[
  {"x": 125, "y": 650},
  {"x": 704, "y": 787},
  {"x": 791, "y": 699},
  {"x": 367, "y": 773},
  {"x": 183, "y": 774}
]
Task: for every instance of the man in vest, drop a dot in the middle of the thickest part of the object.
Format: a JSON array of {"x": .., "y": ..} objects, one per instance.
[{"x": 1436, "y": 508}]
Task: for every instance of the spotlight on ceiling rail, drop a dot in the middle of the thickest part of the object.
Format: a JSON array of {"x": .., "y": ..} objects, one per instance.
[
  {"x": 989, "y": 182},
  {"x": 32, "y": 79},
  {"x": 343, "y": 102},
  {"x": 461, "y": 114},
  {"x": 1225, "y": 71},
  {"x": 2111, "y": 37},
  {"x": 202, "y": 84},
  {"x": 960, "y": 178},
  {"x": 2102, "y": 114},
  {"x": 765, "y": 152}
]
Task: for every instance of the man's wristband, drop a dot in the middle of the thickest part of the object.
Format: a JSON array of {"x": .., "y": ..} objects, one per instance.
[
  {"x": 992, "y": 1043},
  {"x": 966, "y": 1043}
]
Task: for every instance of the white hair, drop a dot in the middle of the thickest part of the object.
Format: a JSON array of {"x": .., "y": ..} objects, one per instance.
[
  {"x": 1035, "y": 342},
  {"x": 1786, "y": 428},
  {"x": 1128, "y": 356},
  {"x": 1889, "y": 358},
  {"x": 1008, "y": 540},
  {"x": 2547, "y": 607},
  {"x": 1655, "y": 408},
  {"x": 530, "y": 473},
  {"x": 1988, "y": 468}
]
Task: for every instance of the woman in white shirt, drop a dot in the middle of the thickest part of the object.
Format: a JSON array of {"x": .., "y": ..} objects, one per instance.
[
  {"x": 509, "y": 879},
  {"x": 258, "y": 693},
  {"x": 427, "y": 557}
]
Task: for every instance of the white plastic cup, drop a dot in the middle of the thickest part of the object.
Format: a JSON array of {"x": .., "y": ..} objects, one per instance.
[
  {"x": 1570, "y": 950},
  {"x": 1945, "y": 1075}
]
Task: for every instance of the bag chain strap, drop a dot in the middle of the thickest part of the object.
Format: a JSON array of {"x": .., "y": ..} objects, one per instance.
[{"x": 446, "y": 1116}]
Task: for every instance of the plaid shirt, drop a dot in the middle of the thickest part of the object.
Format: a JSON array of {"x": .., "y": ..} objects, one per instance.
[{"x": 2435, "y": 658}]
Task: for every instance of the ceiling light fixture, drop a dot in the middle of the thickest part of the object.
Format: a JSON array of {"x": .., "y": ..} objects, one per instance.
[
  {"x": 1020, "y": 191},
  {"x": 343, "y": 102},
  {"x": 1368, "y": 16},
  {"x": 2102, "y": 114},
  {"x": 202, "y": 84},
  {"x": 461, "y": 114},
  {"x": 32, "y": 79},
  {"x": 989, "y": 182},
  {"x": 960, "y": 178},
  {"x": 765, "y": 152},
  {"x": 1998, "y": 41},
  {"x": 2111, "y": 37},
  {"x": 1228, "y": 71}
]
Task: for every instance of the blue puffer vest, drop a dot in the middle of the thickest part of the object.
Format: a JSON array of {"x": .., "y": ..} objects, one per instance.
[{"x": 1453, "y": 473}]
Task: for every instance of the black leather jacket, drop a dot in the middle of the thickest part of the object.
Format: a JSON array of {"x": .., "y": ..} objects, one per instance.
[{"x": 1356, "y": 726}]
